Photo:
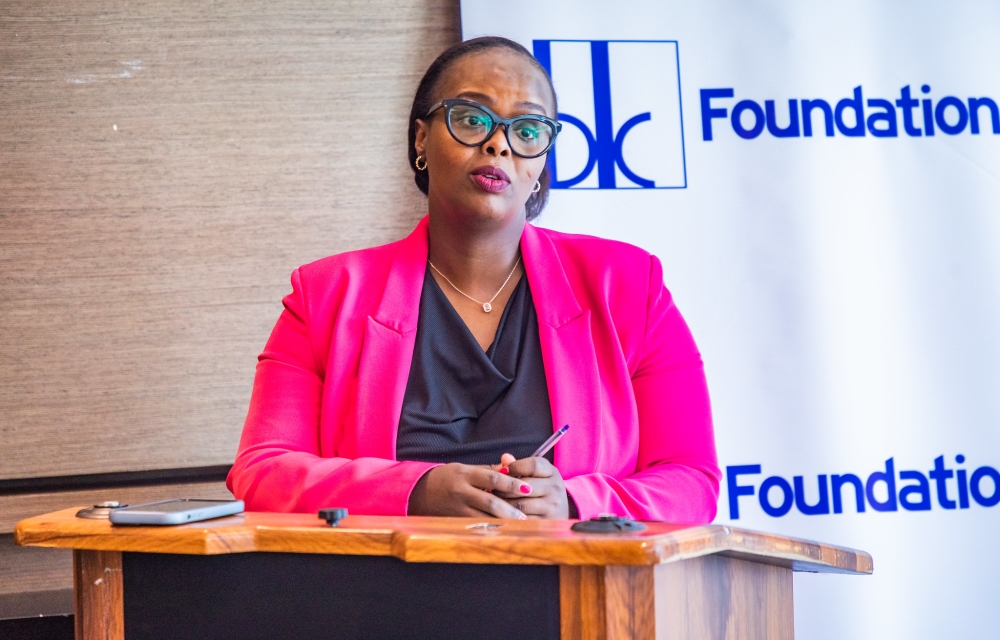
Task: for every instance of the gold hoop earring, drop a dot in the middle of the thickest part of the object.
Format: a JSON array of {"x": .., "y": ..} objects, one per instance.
[
  {"x": 538, "y": 187},
  {"x": 416, "y": 163}
]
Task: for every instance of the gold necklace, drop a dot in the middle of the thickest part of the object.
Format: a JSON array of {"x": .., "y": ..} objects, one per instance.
[{"x": 487, "y": 306}]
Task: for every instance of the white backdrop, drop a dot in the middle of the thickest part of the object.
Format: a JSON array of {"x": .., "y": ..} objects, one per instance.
[{"x": 844, "y": 289}]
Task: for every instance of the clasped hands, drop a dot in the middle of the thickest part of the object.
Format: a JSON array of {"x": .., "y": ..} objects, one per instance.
[{"x": 519, "y": 489}]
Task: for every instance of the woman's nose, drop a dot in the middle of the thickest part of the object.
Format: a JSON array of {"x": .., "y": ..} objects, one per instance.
[{"x": 496, "y": 145}]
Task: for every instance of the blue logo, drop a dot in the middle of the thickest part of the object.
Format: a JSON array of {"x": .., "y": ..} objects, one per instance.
[
  {"x": 620, "y": 105},
  {"x": 882, "y": 491},
  {"x": 920, "y": 117}
]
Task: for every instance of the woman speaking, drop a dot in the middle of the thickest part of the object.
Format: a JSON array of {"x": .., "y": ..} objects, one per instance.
[{"x": 418, "y": 377}]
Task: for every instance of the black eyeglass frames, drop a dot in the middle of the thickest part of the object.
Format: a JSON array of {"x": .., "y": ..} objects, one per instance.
[{"x": 472, "y": 124}]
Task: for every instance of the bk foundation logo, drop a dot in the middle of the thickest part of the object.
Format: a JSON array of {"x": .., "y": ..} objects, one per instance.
[{"x": 620, "y": 105}]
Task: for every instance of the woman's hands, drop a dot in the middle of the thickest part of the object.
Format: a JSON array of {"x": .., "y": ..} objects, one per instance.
[
  {"x": 548, "y": 497},
  {"x": 531, "y": 487},
  {"x": 465, "y": 490}
]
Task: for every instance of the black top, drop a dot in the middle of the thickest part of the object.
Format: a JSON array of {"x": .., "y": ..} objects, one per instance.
[{"x": 464, "y": 405}]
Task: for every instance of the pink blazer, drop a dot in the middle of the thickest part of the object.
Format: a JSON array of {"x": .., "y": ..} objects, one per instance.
[{"x": 621, "y": 365}]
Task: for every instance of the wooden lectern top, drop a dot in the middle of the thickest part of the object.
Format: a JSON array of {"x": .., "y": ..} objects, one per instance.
[{"x": 453, "y": 540}]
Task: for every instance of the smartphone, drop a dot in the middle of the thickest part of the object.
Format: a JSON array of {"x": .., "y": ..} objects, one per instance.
[{"x": 179, "y": 511}]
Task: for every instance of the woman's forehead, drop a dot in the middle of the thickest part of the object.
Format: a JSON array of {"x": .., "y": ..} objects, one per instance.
[{"x": 498, "y": 78}]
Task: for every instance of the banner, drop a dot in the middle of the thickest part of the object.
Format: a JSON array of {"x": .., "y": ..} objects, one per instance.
[{"x": 822, "y": 184}]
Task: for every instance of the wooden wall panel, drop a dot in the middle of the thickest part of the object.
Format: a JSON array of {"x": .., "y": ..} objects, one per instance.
[
  {"x": 33, "y": 569},
  {"x": 165, "y": 165}
]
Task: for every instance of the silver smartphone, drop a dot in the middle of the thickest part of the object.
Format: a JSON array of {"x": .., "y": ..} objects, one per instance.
[{"x": 178, "y": 511}]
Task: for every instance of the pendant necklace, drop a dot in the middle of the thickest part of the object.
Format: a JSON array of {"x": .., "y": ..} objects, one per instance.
[{"x": 487, "y": 306}]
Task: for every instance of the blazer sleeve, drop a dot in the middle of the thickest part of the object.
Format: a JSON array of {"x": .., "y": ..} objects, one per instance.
[
  {"x": 278, "y": 465},
  {"x": 677, "y": 473}
]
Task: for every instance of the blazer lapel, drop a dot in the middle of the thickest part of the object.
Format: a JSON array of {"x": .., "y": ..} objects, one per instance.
[
  {"x": 390, "y": 335},
  {"x": 568, "y": 355}
]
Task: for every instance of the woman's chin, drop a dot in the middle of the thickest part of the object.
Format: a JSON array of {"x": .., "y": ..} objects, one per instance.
[{"x": 487, "y": 207}]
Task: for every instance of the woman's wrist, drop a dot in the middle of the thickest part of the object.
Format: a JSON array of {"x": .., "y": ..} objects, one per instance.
[
  {"x": 416, "y": 503},
  {"x": 574, "y": 513}
]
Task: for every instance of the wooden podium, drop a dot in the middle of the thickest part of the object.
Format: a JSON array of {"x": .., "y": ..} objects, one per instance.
[{"x": 270, "y": 575}]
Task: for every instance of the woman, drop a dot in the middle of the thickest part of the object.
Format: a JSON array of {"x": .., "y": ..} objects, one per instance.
[{"x": 418, "y": 377}]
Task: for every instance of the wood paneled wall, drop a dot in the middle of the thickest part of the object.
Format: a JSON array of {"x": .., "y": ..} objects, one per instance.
[
  {"x": 165, "y": 165},
  {"x": 163, "y": 168}
]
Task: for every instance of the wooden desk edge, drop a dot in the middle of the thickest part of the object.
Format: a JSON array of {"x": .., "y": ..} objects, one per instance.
[
  {"x": 794, "y": 553},
  {"x": 72, "y": 533},
  {"x": 56, "y": 530}
]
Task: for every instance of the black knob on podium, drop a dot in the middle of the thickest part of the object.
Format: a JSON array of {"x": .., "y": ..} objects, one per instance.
[
  {"x": 606, "y": 523},
  {"x": 333, "y": 516}
]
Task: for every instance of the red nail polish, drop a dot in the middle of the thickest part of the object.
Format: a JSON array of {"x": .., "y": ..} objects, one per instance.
[
  {"x": 505, "y": 471},
  {"x": 525, "y": 489}
]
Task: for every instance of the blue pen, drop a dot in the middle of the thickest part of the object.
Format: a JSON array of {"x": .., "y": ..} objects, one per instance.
[{"x": 551, "y": 442}]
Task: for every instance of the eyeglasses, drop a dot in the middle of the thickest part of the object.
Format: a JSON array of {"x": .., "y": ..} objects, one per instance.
[{"x": 472, "y": 124}]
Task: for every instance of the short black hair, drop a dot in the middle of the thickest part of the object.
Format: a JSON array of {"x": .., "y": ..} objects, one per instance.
[{"x": 423, "y": 100}]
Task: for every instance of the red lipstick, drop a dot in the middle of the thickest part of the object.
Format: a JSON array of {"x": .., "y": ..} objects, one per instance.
[{"x": 490, "y": 179}]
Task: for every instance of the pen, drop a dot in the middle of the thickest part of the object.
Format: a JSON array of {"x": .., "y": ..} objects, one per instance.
[
  {"x": 551, "y": 442},
  {"x": 548, "y": 444}
]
